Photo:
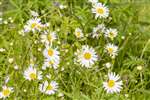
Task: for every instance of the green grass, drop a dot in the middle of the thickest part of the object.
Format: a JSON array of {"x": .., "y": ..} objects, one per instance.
[{"x": 76, "y": 82}]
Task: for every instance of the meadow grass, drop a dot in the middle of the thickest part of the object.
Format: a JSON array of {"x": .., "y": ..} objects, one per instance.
[{"x": 130, "y": 17}]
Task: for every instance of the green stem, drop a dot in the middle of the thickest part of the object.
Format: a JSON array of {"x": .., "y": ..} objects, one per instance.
[{"x": 144, "y": 49}]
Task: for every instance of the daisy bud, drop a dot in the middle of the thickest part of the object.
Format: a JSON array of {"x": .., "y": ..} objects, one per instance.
[
  {"x": 68, "y": 63},
  {"x": 123, "y": 37},
  {"x": 11, "y": 21},
  {"x": 66, "y": 50},
  {"x": 9, "y": 18},
  {"x": 10, "y": 60},
  {"x": 34, "y": 14},
  {"x": 58, "y": 42},
  {"x": 39, "y": 49},
  {"x": 139, "y": 68},
  {"x": 60, "y": 95},
  {"x": 25, "y": 90},
  {"x": 16, "y": 67},
  {"x": 108, "y": 65},
  {"x": 35, "y": 42},
  {"x": 5, "y": 22},
  {"x": 126, "y": 95},
  {"x": 62, "y": 69},
  {"x": 21, "y": 32},
  {"x": 58, "y": 30},
  {"x": 130, "y": 33},
  {"x": 11, "y": 44},
  {"x": 2, "y": 50},
  {"x": 48, "y": 76}
]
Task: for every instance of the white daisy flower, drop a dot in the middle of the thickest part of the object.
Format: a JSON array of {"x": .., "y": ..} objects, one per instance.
[
  {"x": 6, "y": 91},
  {"x": 78, "y": 33},
  {"x": 97, "y": 30},
  {"x": 51, "y": 53},
  {"x": 100, "y": 10},
  {"x": 112, "y": 50},
  {"x": 2, "y": 50},
  {"x": 48, "y": 88},
  {"x": 48, "y": 37},
  {"x": 52, "y": 63},
  {"x": 111, "y": 33},
  {"x": 86, "y": 56},
  {"x": 33, "y": 25},
  {"x": 113, "y": 85},
  {"x": 32, "y": 74}
]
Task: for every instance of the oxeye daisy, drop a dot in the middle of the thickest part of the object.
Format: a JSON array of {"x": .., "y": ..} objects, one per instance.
[
  {"x": 6, "y": 91},
  {"x": 111, "y": 33},
  {"x": 86, "y": 56},
  {"x": 51, "y": 53},
  {"x": 112, "y": 50},
  {"x": 113, "y": 84},
  {"x": 100, "y": 10},
  {"x": 97, "y": 30},
  {"x": 51, "y": 63},
  {"x": 48, "y": 37},
  {"x": 78, "y": 33},
  {"x": 33, "y": 25},
  {"x": 32, "y": 74},
  {"x": 48, "y": 88}
]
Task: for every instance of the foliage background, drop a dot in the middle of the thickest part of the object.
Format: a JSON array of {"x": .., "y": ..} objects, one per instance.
[{"x": 130, "y": 17}]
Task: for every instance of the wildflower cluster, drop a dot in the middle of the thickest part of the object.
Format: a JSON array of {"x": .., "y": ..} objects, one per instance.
[{"x": 57, "y": 53}]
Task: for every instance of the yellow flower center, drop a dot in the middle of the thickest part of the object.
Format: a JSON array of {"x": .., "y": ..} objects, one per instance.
[
  {"x": 111, "y": 83},
  {"x": 33, "y": 76},
  {"x": 50, "y": 52},
  {"x": 33, "y": 25},
  {"x": 49, "y": 37},
  {"x": 49, "y": 87},
  {"x": 111, "y": 34},
  {"x": 100, "y": 10},
  {"x": 87, "y": 56},
  {"x": 78, "y": 34},
  {"x": 6, "y": 92},
  {"x": 110, "y": 50}
]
